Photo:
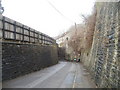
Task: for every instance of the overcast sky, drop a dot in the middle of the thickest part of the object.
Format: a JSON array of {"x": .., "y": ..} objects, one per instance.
[{"x": 42, "y": 15}]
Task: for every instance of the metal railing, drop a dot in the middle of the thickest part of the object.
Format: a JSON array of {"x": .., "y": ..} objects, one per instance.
[{"x": 15, "y": 31}]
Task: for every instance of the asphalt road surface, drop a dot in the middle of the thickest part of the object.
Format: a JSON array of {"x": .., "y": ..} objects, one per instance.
[{"x": 61, "y": 75}]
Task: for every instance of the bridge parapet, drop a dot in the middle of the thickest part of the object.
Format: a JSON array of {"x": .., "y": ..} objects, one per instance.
[{"x": 14, "y": 31}]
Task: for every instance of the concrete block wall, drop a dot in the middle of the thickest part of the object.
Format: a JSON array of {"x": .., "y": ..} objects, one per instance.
[{"x": 104, "y": 58}]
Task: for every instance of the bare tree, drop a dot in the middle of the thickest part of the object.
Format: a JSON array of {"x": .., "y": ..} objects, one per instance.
[{"x": 84, "y": 37}]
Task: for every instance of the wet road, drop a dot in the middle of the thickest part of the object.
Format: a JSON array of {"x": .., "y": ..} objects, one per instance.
[{"x": 61, "y": 75}]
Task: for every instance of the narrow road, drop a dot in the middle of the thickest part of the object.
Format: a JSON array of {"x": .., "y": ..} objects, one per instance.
[{"x": 61, "y": 75}]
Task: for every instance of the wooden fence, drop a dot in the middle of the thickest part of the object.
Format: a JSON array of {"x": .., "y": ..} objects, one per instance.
[{"x": 15, "y": 31}]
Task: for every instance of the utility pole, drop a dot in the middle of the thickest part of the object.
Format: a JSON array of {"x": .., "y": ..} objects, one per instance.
[
  {"x": 1, "y": 8},
  {"x": 75, "y": 29}
]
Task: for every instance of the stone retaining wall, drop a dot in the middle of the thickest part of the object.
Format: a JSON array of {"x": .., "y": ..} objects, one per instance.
[
  {"x": 20, "y": 59},
  {"x": 104, "y": 59},
  {"x": 24, "y": 49}
]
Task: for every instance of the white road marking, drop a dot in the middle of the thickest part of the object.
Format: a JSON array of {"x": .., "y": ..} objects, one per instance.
[
  {"x": 75, "y": 78},
  {"x": 36, "y": 82}
]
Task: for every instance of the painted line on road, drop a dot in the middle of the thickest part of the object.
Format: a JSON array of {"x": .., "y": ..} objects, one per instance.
[
  {"x": 74, "y": 79},
  {"x": 38, "y": 81}
]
